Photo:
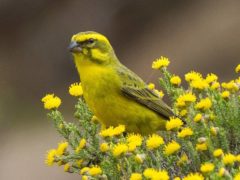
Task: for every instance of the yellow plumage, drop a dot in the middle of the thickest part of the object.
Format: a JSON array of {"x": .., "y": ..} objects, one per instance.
[{"x": 114, "y": 93}]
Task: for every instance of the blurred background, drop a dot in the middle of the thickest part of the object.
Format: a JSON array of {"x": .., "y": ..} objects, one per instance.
[{"x": 34, "y": 60}]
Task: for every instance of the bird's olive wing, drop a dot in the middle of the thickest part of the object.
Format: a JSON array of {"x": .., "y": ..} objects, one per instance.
[
  {"x": 149, "y": 99},
  {"x": 135, "y": 88}
]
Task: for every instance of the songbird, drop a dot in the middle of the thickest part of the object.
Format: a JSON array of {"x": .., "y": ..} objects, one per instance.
[{"x": 115, "y": 94}]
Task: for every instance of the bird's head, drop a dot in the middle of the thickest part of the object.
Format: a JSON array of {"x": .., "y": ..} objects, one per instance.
[{"x": 91, "y": 46}]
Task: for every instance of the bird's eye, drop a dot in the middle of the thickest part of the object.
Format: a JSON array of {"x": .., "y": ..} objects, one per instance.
[{"x": 90, "y": 41}]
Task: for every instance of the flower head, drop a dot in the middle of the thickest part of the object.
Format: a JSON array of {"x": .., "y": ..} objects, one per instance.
[
  {"x": 154, "y": 141},
  {"x": 207, "y": 167},
  {"x": 199, "y": 84},
  {"x": 104, "y": 147},
  {"x": 215, "y": 85},
  {"x": 225, "y": 94},
  {"x": 81, "y": 145},
  {"x": 75, "y": 89},
  {"x": 201, "y": 147},
  {"x": 171, "y": 148},
  {"x": 194, "y": 176},
  {"x": 113, "y": 131},
  {"x": 211, "y": 78},
  {"x": 158, "y": 93},
  {"x": 136, "y": 176},
  {"x": 66, "y": 167},
  {"x": 173, "y": 123},
  {"x": 231, "y": 85},
  {"x": 175, "y": 80},
  {"x": 217, "y": 152},
  {"x": 185, "y": 132},
  {"x": 229, "y": 159},
  {"x": 197, "y": 117},
  {"x": 135, "y": 139},
  {"x": 204, "y": 104},
  {"x": 185, "y": 99},
  {"x": 119, "y": 149},
  {"x": 61, "y": 148},
  {"x": 160, "y": 63},
  {"x": 156, "y": 174},
  {"x": 51, "y": 102},
  {"x": 50, "y": 157},
  {"x": 237, "y": 69},
  {"x": 95, "y": 170},
  {"x": 193, "y": 76},
  {"x": 151, "y": 86}
]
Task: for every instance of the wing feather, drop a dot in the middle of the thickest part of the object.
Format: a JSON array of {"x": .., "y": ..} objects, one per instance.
[{"x": 135, "y": 88}]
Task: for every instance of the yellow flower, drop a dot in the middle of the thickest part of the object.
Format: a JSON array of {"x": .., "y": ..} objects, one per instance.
[
  {"x": 173, "y": 123},
  {"x": 182, "y": 160},
  {"x": 238, "y": 158},
  {"x": 109, "y": 132},
  {"x": 135, "y": 139},
  {"x": 75, "y": 89},
  {"x": 199, "y": 84},
  {"x": 47, "y": 97},
  {"x": 104, "y": 147},
  {"x": 237, "y": 176},
  {"x": 153, "y": 174},
  {"x": 204, "y": 104},
  {"x": 119, "y": 149},
  {"x": 237, "y": 69},
  {"x": 183, "y": 112},
  {"x": 197, "y": 117},
  {"x": 50, "y": 157},
  {"x": 113, "y": 131},
  {"x": 215, "y": 85},
  {"x": 159, "y": 93},
  {"x": 207, "y": 167},
  {"x": 84, "y": 170},
  {"x": 151, "y": 86},
  {"x": 51, "y": 102},
  {"x": 95, "y": 170},
  {"x": 231, "y": 85},
  {"x": 185, "y": 99},
  {"x": 185, "y": 132},
  {"x": 154, "y": 141},
  {"x": 84, "y": 177},
  {"x": 81, "y": 145},
  {"x": 66, "y": 167},
  {"x": 150, "y": 173},
  {"x": 177, "y": 178},
  {"x": 201, "y": 147},
  {"x": 171, "y": 148},
  {"x": 79, "y": 163},
  {"x": 193, "y": 76},
  {"x": 132, "y": 147},
  {"x": 160, "y": 63},
  {"x": 214, "y": 130},
  {"x": 140, "y": 158},
  {"x": 217, "y": 152},
  {"x": 211, "y": 78},
  {"x": 175, "y": 80},
  {"x": 221, "y": 172},
  {"x": 225, "y": 94},
  {"x": 62, "y": 148},
  {"x": 229, "y": 159},
  {"x": 119, "y": 130},
  {"x": 136, "y": 176},
  {"x": 194, "y": 176}
]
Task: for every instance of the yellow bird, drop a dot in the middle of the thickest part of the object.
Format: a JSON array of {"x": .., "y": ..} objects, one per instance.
[{"x": 114, "y": 93}]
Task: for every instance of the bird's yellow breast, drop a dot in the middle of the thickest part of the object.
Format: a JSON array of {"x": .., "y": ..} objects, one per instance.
[{"x": 102, "y": 92}]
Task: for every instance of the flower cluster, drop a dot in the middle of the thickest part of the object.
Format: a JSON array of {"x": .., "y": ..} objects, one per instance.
[{"x": 200, "y": 142}]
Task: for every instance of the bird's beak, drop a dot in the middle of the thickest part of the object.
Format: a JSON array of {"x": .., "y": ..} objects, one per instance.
[{"x": 74, "y": 47}]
